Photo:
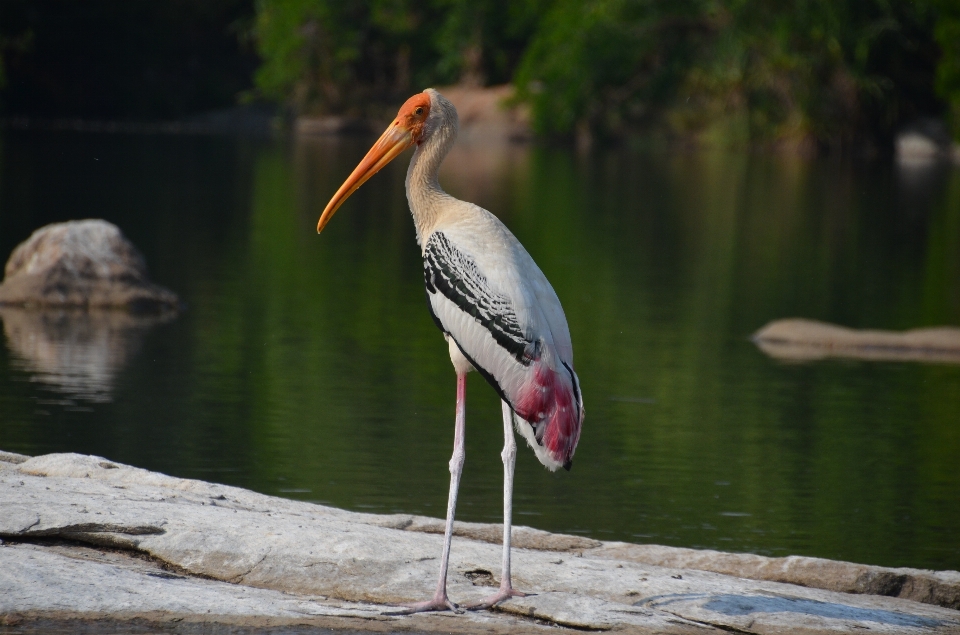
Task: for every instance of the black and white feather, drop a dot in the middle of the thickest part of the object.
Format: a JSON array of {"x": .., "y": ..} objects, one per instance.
[
  {"x": 456, "y": 276},
  {"x": 491, "y": 299}
]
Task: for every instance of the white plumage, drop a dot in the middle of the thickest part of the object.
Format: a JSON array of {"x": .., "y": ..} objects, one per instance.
[
  {"x": 515, "y": 286},
  {"x": 495, "y": 307}
]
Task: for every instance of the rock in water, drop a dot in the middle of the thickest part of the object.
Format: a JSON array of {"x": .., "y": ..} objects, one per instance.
[
  {"x": 82, "y": 264},
  {"x": 798, "y": 339}
]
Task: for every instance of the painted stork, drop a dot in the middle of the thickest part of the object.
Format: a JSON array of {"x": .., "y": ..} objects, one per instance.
[{"x": 495, "y": 308}]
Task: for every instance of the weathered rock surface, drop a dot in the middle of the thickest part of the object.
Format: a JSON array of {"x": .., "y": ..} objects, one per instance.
[
  {"x": 799, "y": 339},
  {"x": 931, "y": 587},
  {"x": 81, "y": 264},
  {"x": 195, "y": 551}
]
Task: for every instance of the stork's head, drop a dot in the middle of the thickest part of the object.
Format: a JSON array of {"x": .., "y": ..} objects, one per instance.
[{"x": 410, "y": 127}]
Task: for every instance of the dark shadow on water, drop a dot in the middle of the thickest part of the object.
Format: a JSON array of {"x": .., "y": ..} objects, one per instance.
[
  {"x": 739, "y": 605},
  {"x": 77, "y": 353}
]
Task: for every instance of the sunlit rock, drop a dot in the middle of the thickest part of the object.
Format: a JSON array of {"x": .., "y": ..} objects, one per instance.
[
  {"x": 798, "y": 339},
  {"x": 923, "y": 142},
  {"x": 83, "y": 264},
  {"x": 75, "y": 302},
  {"x": 913, "y": 145},
  {"x": 226, "y": 555},
  {"x": 79, "y": 353}
]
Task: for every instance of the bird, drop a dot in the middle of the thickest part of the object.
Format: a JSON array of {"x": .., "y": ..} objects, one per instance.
[{"x": 495, "y": 308}]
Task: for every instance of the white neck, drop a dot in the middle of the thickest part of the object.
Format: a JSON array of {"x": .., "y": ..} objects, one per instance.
[{"x": 426, "y": 198}]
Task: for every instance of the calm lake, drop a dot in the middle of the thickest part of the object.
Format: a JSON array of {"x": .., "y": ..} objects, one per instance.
[{"x": 308, "y": 366}]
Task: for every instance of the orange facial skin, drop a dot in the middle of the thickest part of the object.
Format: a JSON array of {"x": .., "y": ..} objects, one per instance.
[
  {"x": 413, "y": 115},
  {"x": 406, "y": 130}
]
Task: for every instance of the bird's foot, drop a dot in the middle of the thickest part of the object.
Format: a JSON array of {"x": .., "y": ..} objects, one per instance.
[
  {"x": 440, "y": 602},
  {"x": 492, "y": 600}
]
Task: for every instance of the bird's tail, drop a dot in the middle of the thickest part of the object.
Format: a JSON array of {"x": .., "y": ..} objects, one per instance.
[{"x": 551, "y": 407}]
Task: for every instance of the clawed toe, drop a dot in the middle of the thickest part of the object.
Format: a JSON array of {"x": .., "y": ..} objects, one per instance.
[
  {"x": 491, "y": 601},
  {"x": 436, "y": 604},
  {"x": 444, "y": 604}
]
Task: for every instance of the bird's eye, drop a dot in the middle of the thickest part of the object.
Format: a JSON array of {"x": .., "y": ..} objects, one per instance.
[{"x": 418, "y": 111}]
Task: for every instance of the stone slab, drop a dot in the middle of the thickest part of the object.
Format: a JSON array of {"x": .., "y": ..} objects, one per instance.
[
  {"x": 241, "y": 556},
  {"x": 931, "y": 587}
]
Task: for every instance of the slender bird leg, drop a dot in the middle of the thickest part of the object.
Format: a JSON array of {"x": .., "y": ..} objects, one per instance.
[
  {"x": 509, "y": 456},
  {"x": 440, "y": 600}
]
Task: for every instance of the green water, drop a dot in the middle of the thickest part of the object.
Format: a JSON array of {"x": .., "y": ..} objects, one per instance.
[{"x": 307, "y": 366}]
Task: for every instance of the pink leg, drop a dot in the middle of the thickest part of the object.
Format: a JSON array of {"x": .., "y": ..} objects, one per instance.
[
  {"x": 440, "y": 601},
  {"x": 509, "y": 456}
]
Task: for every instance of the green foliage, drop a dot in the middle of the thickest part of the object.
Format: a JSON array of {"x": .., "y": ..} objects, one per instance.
[
  {"x": 481, "y": 41},
  {"x": 601, "y": 62},
  {"x": 801, "y": 72},
  {"x": 820, "y": 70},
  {"x": 947, "y": 33},
  {"x": 330, "y": 56}
]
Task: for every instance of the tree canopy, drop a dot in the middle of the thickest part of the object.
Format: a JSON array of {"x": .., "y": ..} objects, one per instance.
[
  {"x": 823, "y": 71},
  {"x": 324, "y": 56}
]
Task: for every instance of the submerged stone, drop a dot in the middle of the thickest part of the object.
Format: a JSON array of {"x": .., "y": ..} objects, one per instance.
[{"x": 798, "y": 339}]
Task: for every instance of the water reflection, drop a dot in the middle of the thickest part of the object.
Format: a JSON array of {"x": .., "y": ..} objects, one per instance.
[
  {"x": 921, "y": 181},
  {"x": 77, "y": 353},
  {"x": 308, "y": 366},
  {"x": 478, "y": 171}
]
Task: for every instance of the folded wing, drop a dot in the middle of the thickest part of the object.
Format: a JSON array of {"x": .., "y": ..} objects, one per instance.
[{"x": 498, "y": 321}]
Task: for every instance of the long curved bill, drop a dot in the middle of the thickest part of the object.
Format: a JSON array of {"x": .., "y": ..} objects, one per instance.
[{"x": 391, "y": 143}]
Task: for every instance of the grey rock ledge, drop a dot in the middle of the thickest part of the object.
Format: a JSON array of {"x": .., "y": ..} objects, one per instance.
[{"x": 84, "y": 538}]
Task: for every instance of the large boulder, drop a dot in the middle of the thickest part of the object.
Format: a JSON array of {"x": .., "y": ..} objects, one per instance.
[{"x": 82, "y": 264}]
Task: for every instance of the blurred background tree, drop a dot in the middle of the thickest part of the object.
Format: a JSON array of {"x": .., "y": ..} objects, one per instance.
[
  {"x": 808, "y": 74},
  {"x": 325, "y": 56},
  {"x": 947, "y": 33},
  {"x": 803, "y": 73},
  {"x": 820, "y": 71}
]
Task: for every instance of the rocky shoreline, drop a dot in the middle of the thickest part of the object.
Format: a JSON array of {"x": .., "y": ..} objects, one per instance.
[{"x": 87, "y": 541}]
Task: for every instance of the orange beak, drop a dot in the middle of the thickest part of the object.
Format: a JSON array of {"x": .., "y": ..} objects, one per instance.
[{"x": 391, "y": 143}]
